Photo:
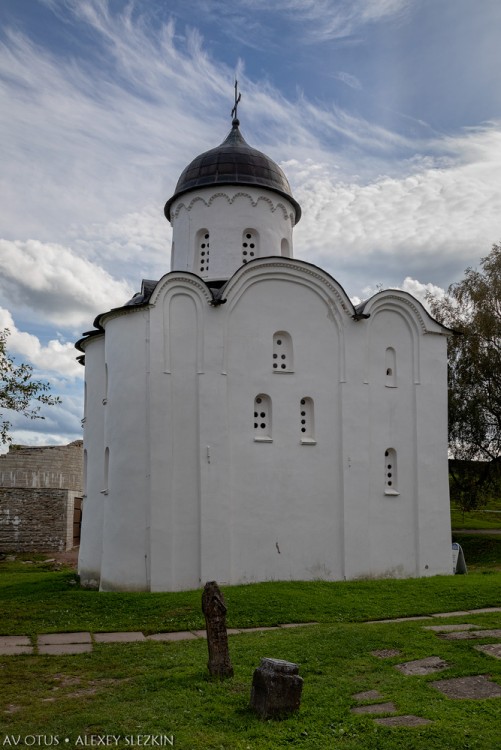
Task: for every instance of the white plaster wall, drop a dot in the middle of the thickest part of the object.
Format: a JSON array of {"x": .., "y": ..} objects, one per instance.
[
  {"x": 409, "y": 533},
  {"x": 392, "y": 546},
  {"x": 91, "y": 543},
  {"x": 177, "y": 338},
  {"x": 433, "y": 518},
  {"x": 125, "y": 561},
  {"x": 192, "y": 496},
  {"x": 356, "y": 455},
  {"x": 270, "y": 214},
  {"x": 287, "y": 509}
]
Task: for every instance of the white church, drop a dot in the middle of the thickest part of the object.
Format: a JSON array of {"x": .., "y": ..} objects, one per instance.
[{"x": 245, "y": 422}]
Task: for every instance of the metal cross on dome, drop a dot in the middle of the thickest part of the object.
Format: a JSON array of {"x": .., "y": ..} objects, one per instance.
[{"x": 238, "y": 96}]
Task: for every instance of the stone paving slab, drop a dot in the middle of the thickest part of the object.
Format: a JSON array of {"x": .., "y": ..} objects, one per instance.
[
  {"x": 182, "y": 635},
  {"x": 375, "y": 708},
  {"x": 14, "y": 640},
  {"x": 485, "y": 610},
  {"x": 403, "y": 721},
  {"x": 400, "y": 619},
  {"x": 15, "y": 650},
  {"x": 449, "y": 628},
  {"x": 471, "y": 635},
  {"x": 460, "y": 613},
  {"x": 57, "y": 649},
  {"x": 473, "y": 688},
  {"x": 386, "y": 653},
  {"x": 119, "y": 637},
  {"x": 257, "y": 630},
  {"x": 199, "y": 633},
  {"x": 492, "y": 649},
  {"x": 62, "y": 638},
  {"x": 296, "y": 624},
  {"x": 428, "y": 665},
  {"x": 367, "y": 695}
]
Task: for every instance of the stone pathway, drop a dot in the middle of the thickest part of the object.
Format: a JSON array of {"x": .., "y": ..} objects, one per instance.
[
  {"x": 492, "y": 649},
  {"x": 387, "y": 707},
  {"x": 80, "y": 643},
  {"x": 469, "y": 635},
  {"x": 460, "y": 613},
  {"x": 428, "y": 665},
  {"x": 475, "y": 687}
]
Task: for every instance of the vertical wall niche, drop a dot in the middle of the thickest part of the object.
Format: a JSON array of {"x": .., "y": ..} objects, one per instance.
[
  {"x": 285, "y": 249},
  {"x": 390, "y": 364},
  {"x": 306, "y": 420},
  {"x": 202, "y": 251},
  {"x": 84, "y": 476},
  {"x": 250, "y": 245},
  {"x": 390, "y": 472},
  {"x": 262, "y": 418},
  {"x": 282, "y": 352},
  {"x": 106, "y": 470},
  {"x": 105, "y": 396}
]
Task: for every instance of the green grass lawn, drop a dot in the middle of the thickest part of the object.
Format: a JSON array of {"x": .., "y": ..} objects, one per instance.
[
  {"x": 162, "y": 688},
  {"x": 485, "y": 518},
  {"x": 35, "y": 600}
]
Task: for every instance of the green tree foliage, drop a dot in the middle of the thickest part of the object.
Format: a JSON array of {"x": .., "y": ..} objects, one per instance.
[
  {"x": 472, "y": 308},
  {"x": 18, "y": 390}
]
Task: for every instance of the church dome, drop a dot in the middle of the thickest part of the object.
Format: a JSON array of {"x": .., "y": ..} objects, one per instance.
[{"x": 234, "y": 162}]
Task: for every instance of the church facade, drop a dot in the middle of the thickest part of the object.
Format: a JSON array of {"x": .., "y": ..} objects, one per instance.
[{"x": 245, "y": 422}]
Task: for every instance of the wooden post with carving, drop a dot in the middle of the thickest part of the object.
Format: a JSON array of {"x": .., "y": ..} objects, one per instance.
[{"x": 214, "y": 609}]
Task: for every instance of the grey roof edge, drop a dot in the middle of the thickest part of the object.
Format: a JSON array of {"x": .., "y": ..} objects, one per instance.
[{"x": 217, "y": 287}]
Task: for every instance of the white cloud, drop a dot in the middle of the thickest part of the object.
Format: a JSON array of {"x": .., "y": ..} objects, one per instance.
[
  {"x": 345, "y": 17},
  {"x": 349, "y": 79},
  {"x": 412, "y": 286},
  {"x": 68, "y": 161},
  {"x": 58, "y": 358},
  {"x": 420, "y": 291},
  {"x": 427, "y": 219},
  {"x": 55, "y": 283},
  {"x": 40, "y": 439},
  {"x": 138, "y": 243}
]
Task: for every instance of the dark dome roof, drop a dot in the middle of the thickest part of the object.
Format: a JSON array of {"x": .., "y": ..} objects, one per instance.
[{"x": 234, "y": 162}]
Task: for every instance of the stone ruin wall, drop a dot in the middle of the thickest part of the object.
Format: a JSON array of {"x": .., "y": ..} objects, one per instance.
[
  {"x": 58, "y": 466},
  {"x": 38, "y": 486}
]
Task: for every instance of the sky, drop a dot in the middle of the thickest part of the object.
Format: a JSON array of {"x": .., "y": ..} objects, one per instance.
[{"x": 384, "y": 114}]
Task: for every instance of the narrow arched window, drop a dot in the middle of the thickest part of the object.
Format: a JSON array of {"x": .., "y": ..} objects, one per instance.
[
  {"x": 282, "y": 352},
  {"x": 202, "y": 251},
  {"x": 250, "y": 245},
  {"x": 306, "y": 420},
  {"x": 390, "y": 363},
  {"x": 390, "y": 472},
  {"x": 285, "y": 248},
  {"x": 262, "y": 418}
]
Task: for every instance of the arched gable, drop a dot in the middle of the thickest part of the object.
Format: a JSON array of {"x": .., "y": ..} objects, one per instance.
[
  {"x": 166, "y": 294},
  {"x": 409, "y": 310},
  {"x": 339, "y": 309}
]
